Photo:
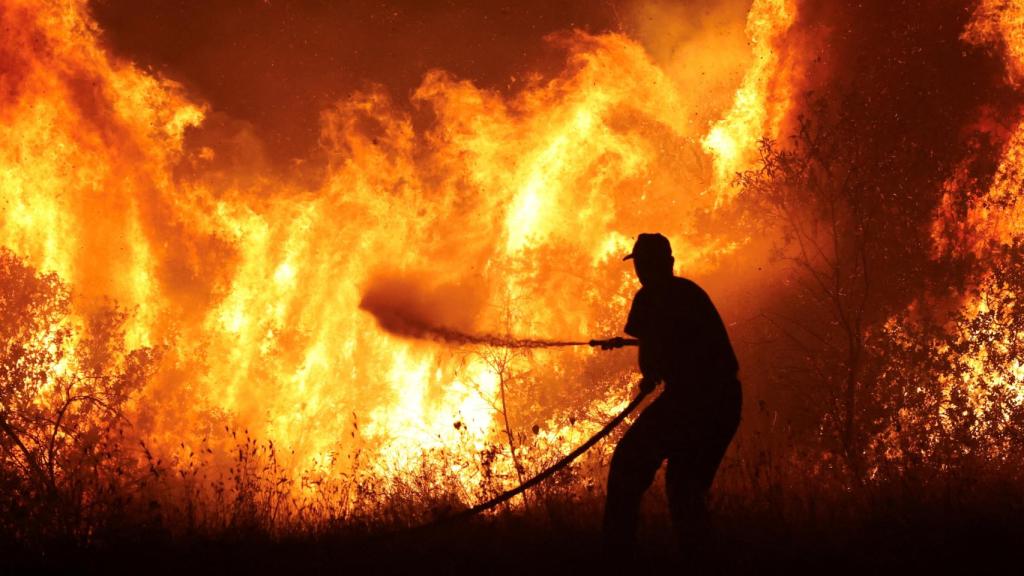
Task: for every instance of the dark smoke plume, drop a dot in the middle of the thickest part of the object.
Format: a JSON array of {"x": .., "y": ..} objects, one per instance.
[{"x": 443, "y": 314}]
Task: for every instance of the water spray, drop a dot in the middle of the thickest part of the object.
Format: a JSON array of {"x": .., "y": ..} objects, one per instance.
[
  {"x": 420, "y": 318},
  {"x": 452, "y": 336}
]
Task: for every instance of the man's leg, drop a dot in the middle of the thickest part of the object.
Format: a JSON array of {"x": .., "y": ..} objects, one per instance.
[
  {"x": 687, "y": 483},
  {"x": 635, "y": 461},
  {"x": 691, "y": 470}
]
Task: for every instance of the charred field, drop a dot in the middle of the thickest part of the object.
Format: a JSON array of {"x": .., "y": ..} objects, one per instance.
[{"x": 282, "y": 281}]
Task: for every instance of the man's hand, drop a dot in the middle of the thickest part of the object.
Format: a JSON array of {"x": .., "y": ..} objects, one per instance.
[
  {"x": 648, "y": 384},
  {"x": 613, "y": 343}
]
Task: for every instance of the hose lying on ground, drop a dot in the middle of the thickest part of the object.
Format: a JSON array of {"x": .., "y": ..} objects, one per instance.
[{"x": 546, "y": 473}]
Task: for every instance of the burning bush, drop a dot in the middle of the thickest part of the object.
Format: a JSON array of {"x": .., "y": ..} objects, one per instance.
[
  {"x": 954, "y": 379},
  {"x": 64, "y": 387}
]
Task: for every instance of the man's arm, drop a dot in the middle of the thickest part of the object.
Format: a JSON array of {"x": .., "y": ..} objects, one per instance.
[
  {"x": 649, "y": 357},
  {"x": 650, "y": 360}
]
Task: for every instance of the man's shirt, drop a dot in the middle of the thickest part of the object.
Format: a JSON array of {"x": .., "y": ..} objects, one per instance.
[{"x": 689, "y": 345}]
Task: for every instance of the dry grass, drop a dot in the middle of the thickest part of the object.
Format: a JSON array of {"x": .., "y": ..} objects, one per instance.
[{"x": 767, "y": 515}]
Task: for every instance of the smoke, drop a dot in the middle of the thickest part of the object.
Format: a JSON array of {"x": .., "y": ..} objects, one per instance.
[
  {"x": 276, "y": 65},
  {"x": 443, "y": 313}
]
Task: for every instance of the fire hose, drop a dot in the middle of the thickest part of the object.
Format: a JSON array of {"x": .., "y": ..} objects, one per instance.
[{"x": 565, "y": 460}]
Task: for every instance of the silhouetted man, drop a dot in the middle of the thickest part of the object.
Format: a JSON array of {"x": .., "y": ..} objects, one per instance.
[{"x": 683, "y": 343}]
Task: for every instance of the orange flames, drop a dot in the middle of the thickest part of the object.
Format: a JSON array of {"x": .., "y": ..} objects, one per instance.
[
  {"x": 508, "y": 215},
  {"x": 980, "y": 375},
  {"x": 733, "y": 139}
]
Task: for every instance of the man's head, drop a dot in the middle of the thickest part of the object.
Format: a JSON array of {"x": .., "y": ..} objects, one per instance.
[{"x": 652, "y": 258}]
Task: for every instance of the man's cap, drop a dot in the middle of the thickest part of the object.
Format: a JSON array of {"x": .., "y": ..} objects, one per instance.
[{"x": 651, "y": 247}]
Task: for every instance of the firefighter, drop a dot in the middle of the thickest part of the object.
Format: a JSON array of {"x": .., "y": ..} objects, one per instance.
[{"x": 683, "y": 344}]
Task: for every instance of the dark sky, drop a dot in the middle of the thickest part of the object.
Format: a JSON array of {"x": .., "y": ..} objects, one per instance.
[{"x": 274, "y": 64}]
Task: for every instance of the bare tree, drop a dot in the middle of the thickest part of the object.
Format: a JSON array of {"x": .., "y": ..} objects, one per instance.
[
  {"x": 501, "y": 361},
  {"x": 818, "y": 193}
]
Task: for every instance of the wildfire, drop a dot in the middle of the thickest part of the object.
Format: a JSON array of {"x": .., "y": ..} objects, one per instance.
[
  {"x": 761, "y": 103},
  {"x": 508, "y": 215},
  {"x": 976, "y": 360},
  {"x": 1000, "y": 24}
]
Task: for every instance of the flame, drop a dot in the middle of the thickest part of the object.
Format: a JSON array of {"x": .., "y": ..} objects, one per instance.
[
  {"x": 762, "y": 101},
  {"x": 88, "y": 147},
  {"x": 997, "y": 215},
  {"x": 980, "y": 379},
  {"x": 1002, "y": 24},
  {"x": 515, "y": 208}
]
